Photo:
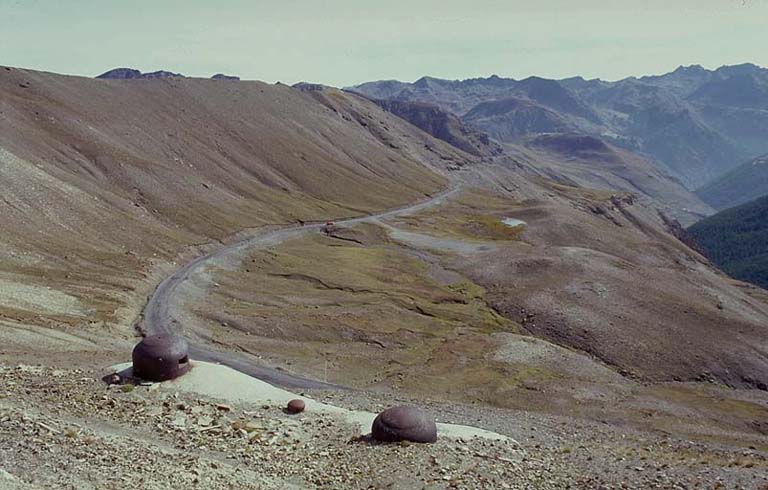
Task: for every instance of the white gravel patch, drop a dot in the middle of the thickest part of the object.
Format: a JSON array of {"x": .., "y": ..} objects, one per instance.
[
  {"x": 37, "y": 298},
  {"x": 224, "y": 383},
  {"x": 423, "y": 240},
  {"x": 513, "y": 222}
]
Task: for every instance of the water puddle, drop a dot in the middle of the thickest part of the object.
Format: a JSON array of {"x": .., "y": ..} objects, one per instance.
[{"x": 512, "y": 222}]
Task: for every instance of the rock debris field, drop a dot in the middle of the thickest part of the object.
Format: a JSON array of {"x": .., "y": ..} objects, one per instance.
[
  {"x": 67, "y": 429},
  {"x": 145, "y": 437}
]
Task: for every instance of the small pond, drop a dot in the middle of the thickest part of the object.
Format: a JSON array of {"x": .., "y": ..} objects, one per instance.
[{"x": 512, "y": 222}]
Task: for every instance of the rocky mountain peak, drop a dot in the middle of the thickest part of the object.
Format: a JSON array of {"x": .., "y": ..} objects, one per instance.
[
  {"x": 740, "y": 69},
  {"x": 221, "y": 76},
  {"x": 690, "y": 69},
  {"x": 131, "y": 73},
  {"x": 120, "y": 74}
]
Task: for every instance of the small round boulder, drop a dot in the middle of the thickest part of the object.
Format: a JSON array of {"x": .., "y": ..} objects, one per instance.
[
  {"x": 404, "y": 423},
  {"x": 160, "y": 357},
  {"x": 295, "y": 406}
]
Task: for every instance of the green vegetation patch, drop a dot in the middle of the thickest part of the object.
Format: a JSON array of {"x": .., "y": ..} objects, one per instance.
[
  {"x": 475, "y": 215},
  {"x": 367, "y": 311},
  {"x": 737, "y": 240}
]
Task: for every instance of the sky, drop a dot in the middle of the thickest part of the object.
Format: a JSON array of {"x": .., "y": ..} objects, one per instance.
[{"x": 344, "y": 42}]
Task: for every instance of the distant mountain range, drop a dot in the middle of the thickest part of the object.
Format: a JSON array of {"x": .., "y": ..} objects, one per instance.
[
  {"x": 697, "y": 124},
  {"x": 737, "y": 240},
  {"x": 742, "y": 184},
  {"x": 130, "y": 73},
  {"x": 663, "y": 136}
]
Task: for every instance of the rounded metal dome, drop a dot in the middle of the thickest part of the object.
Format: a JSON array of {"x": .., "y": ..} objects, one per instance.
[
  {"x": 404, "y": 423},
  {"x": 160, "y": 357}
]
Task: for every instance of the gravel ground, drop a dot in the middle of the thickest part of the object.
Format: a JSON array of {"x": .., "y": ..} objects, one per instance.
[
  {"x": 67, "y": 429},
  {"x": 590, "y": 455}
]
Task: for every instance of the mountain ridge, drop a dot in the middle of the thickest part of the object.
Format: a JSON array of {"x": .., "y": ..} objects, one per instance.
[
  {"x": 134, "y": 74},
  {"x": 686, "y": 121}
]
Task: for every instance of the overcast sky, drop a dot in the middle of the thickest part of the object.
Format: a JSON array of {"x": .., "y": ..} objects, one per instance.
[{"x": 342, "y": 42}]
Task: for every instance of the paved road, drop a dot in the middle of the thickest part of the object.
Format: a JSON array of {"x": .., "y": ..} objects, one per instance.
[{"x": 167, "y": 302}]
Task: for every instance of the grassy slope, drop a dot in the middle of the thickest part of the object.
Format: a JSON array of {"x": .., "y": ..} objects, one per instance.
[
  {"x": 106, "y": 182},
  {"x": 603, "y": 166},
  {"x": 376, "y": 313}
]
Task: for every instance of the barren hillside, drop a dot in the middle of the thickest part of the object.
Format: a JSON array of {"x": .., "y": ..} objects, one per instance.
[
  {"x": 522, "y": 301},
  {"x": 105, "y": 181},
  {"x": 693, "y": 123}
]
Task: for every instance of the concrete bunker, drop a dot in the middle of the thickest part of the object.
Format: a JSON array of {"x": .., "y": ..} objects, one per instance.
[
  {"x": 160, "y": 357},
  {"x": 404, "y": 423}
]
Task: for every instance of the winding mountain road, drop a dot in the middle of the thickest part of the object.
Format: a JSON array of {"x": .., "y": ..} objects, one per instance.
[{"x": 164, "y": 308}]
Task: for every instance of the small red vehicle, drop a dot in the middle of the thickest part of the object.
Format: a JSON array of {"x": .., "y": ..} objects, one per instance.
[{"x": 329, "y": 227}]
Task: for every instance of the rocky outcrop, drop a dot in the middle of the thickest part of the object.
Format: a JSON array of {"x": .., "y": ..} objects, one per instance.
[
  {"x": 221, "y": 76},
  {"x": 513, "y": 118},
  {"x": 161, "y": 74},
  {"x": 443, "y": 125},
  {"x": 309, "y": 87},
  {"x": 120, "y": 74},
  {"x": 130, "y": 73}
]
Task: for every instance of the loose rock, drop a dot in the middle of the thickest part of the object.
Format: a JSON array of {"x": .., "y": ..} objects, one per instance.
[{"x": 295, "y": 406}]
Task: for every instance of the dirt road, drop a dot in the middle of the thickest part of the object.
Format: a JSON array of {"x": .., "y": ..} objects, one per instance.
[{"x": 165, "y": 308}]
